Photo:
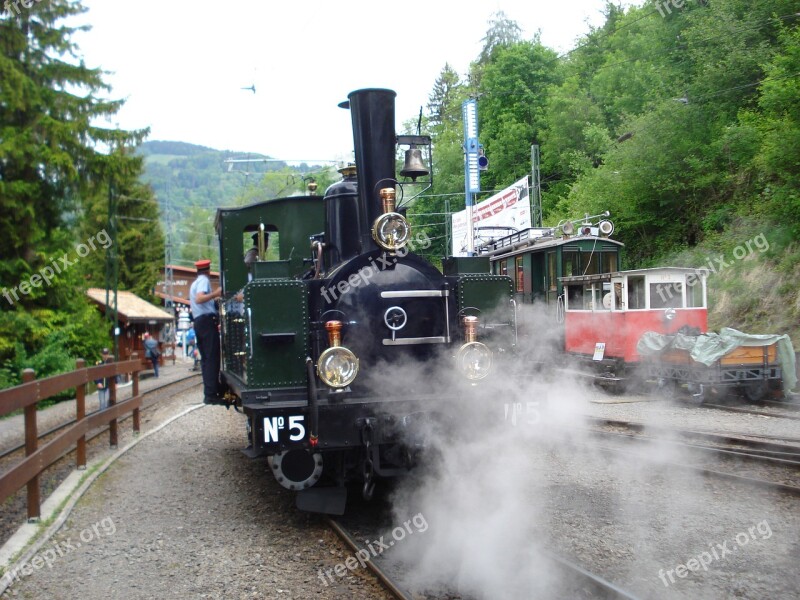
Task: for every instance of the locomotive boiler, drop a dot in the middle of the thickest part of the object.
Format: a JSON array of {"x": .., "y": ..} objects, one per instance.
[{"x": 341, "y": 344}]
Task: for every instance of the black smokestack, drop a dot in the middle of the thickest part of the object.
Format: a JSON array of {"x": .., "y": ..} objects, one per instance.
[{"x": 372, "y": 111}]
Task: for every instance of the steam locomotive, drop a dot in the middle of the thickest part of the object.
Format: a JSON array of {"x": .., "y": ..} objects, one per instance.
[{"x": 340, "y": 343}]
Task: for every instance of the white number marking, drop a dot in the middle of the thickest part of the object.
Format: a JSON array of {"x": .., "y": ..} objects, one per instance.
[
  {"x": 273, "y": 425},
  {"x": 296, "y": 422}
]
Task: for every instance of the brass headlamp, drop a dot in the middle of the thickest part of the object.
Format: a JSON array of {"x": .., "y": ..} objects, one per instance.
[
  {"x": 474, "y": 358},
  {"x": 337, "y": 366},
  {"x": 390, "y": 231}
]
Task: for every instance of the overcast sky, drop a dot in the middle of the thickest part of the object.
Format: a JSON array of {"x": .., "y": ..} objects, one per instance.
[{"x": 181, "y": 64}]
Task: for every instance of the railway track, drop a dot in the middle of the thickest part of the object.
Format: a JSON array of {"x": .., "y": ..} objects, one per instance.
[
  {"x": 793, "y": 414},
  {"x": 383, "y": 576},
  {"x": 748, "y": 457},
  {"x": 583, "y": 583},
  {"x": 724, "y": 444},
  {"x": 731, "y": 437}
]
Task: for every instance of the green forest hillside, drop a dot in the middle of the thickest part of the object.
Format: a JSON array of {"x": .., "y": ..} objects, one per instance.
[
  {"x": 684, "y": 123},
  {"x": 59, "y": 170}
]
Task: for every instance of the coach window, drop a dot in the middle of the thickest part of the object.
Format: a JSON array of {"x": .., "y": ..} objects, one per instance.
[
  {"x": 520, "y": 275},
  {"x": 574, "y": 297},
  {"x": 272, "y": 242},
  {"x": 636, "y": 292},
  {"x": 593, "y": 296},
  {"x": 612, "y": 296},
  {"x": 666, "y": 295},
  {"x": 609, "y": 262},
  {"x": 570, "y": 263},
  {"x": 694, "y": 292},
  {"x": 503, "y": 267},
  {"x": 551, "y": 271},
  {"x": 590, "y": 263}
]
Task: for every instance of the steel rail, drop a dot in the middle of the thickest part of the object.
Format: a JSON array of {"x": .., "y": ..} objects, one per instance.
[
  {"x": 760, "y": 483},
  {"x": 760, "y": 413},
  {"x": 605, "y": 585},
  {"x": 792, "y": 405},
  {"x": 382, "y": 576},
  {"x": 727, "y": 437},
  {"x": 765, "y": 456},
  {"x": 763, "y": 446},
  {"x": 610, "y": 590}
]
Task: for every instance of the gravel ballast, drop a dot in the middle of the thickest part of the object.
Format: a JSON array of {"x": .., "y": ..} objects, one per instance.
[{"x": 184, "y": 514}]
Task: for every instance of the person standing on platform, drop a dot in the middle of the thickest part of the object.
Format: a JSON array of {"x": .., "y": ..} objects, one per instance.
[
  {"x": 103, "y": 382},
  {"x": 191, "y": 346},
  {"x": 206, "y": 323},
  {"x": 151, "y": 351}
]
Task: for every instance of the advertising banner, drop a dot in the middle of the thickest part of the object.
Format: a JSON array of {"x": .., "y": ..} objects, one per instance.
[{"x": 492, "y": 217}]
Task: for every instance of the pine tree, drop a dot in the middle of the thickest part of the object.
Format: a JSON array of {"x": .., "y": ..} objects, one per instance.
[
  {"x": 441, "y": 101},
  {"x": 139, "y": 248},
  {"x": 502, "y": 32},
  {"x": 50, "y": 102}
]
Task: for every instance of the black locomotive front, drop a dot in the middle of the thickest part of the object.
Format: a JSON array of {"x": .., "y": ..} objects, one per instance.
[{"x": 387, "y": 341}]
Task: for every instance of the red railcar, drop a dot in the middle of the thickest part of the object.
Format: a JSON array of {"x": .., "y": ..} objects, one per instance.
[{"x": 606, "y": 314}]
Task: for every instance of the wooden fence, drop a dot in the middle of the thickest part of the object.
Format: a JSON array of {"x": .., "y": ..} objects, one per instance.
[{"x": 32, "y": 390}]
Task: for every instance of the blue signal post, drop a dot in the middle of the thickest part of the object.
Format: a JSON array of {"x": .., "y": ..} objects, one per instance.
[{"x": 472, "y": 177}]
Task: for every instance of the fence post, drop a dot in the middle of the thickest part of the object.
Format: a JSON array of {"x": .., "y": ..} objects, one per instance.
[
  {"x": 112, "y": 400},
  {"x": 80, "y": 414},
  {"x": 135, "y": 392},
  {"x": 31, "y": 445}
]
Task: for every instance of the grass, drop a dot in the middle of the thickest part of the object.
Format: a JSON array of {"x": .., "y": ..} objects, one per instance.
[{"x": 755, "y": 289}]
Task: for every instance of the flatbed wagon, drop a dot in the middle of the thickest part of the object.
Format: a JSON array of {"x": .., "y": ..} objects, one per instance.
[{"x": 755, "y": 370}]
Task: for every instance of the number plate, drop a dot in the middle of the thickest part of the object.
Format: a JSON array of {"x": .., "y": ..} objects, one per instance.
[{"x": 284, "y": 429}]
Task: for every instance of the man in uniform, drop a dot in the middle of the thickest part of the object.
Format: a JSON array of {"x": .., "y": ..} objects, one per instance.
[
  {"x": 206, "y": 321},
  {"x": 252, "y": 253}
]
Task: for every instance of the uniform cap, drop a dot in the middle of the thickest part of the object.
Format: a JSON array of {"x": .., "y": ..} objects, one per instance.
[
  {"x": 106, "y": 351},
  {"x": 203, "y": 264}
]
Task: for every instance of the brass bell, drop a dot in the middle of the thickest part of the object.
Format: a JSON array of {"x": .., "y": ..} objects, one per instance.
[{"x": 413, "y": 166}]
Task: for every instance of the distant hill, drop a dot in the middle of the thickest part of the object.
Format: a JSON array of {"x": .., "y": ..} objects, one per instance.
[
  {"x": 173, "y": 148},
  {"x": 192, "y": 181},
  {"x": 187, "y": 175}
]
